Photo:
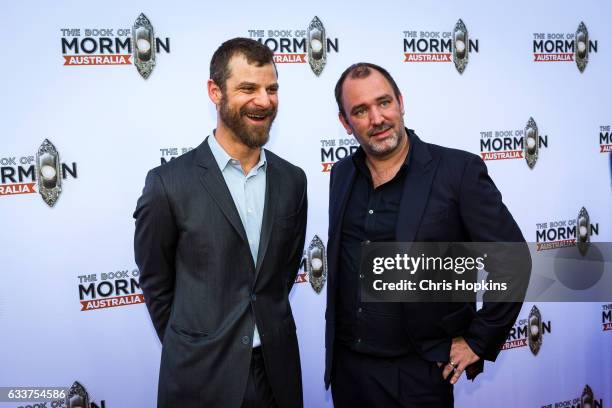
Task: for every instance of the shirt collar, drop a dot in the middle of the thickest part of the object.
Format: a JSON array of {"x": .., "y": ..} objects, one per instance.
[{"x": 223, "y": 159}]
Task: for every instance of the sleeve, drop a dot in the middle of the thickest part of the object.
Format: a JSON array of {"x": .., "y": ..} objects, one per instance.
[
  {"x": 155, "y": 241},
  {"x": 487, "y": 219}
]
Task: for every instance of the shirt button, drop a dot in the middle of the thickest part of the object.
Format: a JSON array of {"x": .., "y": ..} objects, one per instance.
[
  {"x": 245, "y": 339},
  {"x": 358, "y": 341},
  {"x": 370, "y": 212}
]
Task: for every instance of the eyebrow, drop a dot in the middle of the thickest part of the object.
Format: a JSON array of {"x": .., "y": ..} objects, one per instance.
[
  {"x": 383, "y": 98},
  {"x": 246, "y": 84},
  {"x": 379, "y": 99}
]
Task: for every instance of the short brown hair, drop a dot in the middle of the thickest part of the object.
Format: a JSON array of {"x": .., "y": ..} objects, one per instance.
[
  {"x": 254, "y": 51},
  {"x": 362, "y": 70}
]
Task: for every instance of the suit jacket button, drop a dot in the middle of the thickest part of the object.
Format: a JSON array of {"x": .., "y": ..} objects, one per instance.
[
  {"x": 253, "y": 297},
  {"x": 245, "y": 339}
]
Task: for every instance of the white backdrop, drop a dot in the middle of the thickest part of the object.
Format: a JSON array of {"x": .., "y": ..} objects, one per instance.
[{"x": 110, "y": 126}]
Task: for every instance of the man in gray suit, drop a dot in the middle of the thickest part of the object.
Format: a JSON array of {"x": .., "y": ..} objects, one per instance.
[{"x": 219, "y": 238}]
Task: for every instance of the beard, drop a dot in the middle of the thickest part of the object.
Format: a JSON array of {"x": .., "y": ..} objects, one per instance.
[
  {"x": 384, "y": 147},
  {"x": 253, "y": 136}
]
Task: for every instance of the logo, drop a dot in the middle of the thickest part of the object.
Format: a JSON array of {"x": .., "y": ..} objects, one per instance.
[
  {"x": 586, "y": 400},
  {"x": 112, "y": 289},
  {"x": 43, "y": 170},
  {"x": 605, "y": 139},
  {"x": 606, "y": 317},
  {"x": 528, "y": 332},
  {"x": 136, "y": 46},
  {"x": 79, "y": 398},
  {"x": 313, "y": 267},
  {"x": 564, "y": 47},
  {"x": 564, "y": 233},
  {"x": 333, "y": 150},
  {"x": 440, "y": 46},
  {"x": 171, "y": 153},
  {"x": 299, "y": 46},
  {"x": 523, "y": 143}
]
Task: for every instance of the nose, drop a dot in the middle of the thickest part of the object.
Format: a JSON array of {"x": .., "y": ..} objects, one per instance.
[
  {"x": 376, "y": 116},
  {"x": 262, "y": 99}
]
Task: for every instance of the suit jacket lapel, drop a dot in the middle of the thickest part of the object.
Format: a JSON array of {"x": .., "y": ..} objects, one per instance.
[
  {"x": 417, "y": 187},
  {"x": 340, "y": 194},
  {"x": 213, "y": 182},
  {"x": 269, "y": 215}
]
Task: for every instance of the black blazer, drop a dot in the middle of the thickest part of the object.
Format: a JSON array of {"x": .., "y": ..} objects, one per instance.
[
  {"x": 448, "y": 197},
  {"x": 204, "y": 292}
]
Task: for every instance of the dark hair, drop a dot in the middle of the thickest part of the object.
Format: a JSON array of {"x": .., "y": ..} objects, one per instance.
[
  {"x": 254, "y": 51},
  {"x": 361, "y": 70}
]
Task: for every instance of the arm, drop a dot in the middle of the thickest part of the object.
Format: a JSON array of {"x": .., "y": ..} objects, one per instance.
[
  {"x": 488, "y": 220},
  {"x": 297, "y": 250},
  {"x": 154, "y": 249}
]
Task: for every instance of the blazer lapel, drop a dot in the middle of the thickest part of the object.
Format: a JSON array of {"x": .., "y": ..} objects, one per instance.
[
  {"x": 213, "y": 182},
  {"x": 269, "y": 215},
  {"x": 417, "y": 187},
  {"x": 340, "y": 195}
]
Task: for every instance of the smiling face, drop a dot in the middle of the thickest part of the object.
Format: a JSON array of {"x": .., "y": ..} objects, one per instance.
[
  {"x": 248, "y": 104},
  {"x": 373, "y": 114}
]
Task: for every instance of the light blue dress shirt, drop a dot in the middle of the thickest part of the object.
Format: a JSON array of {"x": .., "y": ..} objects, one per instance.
[{"x": 249, "y": 195}]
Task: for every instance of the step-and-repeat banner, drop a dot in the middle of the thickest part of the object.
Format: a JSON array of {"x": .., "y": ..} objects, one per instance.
[{"x": 95, "y": 94}]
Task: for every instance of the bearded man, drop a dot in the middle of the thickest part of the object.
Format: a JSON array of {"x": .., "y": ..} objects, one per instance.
[
  {"x": 398, "y": 188},
  {"x": 218, "y": 241}
]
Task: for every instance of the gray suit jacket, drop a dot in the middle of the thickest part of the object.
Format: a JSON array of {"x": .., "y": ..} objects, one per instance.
[{"x": 204, "y": 292}]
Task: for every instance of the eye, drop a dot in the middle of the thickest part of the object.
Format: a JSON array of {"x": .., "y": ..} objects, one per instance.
[
  {"x": 247, "y": 89},
  {"x": 359, "y": 112},
  {"x": 273, "y": 90},
  {"x": 385, "y": 103}
]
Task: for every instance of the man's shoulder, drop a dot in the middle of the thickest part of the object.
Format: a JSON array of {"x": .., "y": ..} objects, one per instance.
[
  {"x": 448, "y": 153},
  {"x": 284, "y": 166},
  {"x": 451, "y": 163},
  {"x": 175, "y": 166},
  {"x": 343, "y": 164}
]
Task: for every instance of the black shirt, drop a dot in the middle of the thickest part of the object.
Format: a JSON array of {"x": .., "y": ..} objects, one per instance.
[{"x": 370, "y": 215}]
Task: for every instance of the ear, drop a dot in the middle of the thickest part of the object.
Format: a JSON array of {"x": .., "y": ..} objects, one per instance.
[
  {"x": 214, "y": 92},
  {"x": 345, "y": 123},
  {"x": 401, "y": 103}
]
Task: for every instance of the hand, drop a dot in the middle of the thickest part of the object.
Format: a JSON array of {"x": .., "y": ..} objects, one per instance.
[{"x": 461, "y": 356}]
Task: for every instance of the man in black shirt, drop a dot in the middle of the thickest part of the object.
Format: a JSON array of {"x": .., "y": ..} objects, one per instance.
[{"x": 398, "y": 188}]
